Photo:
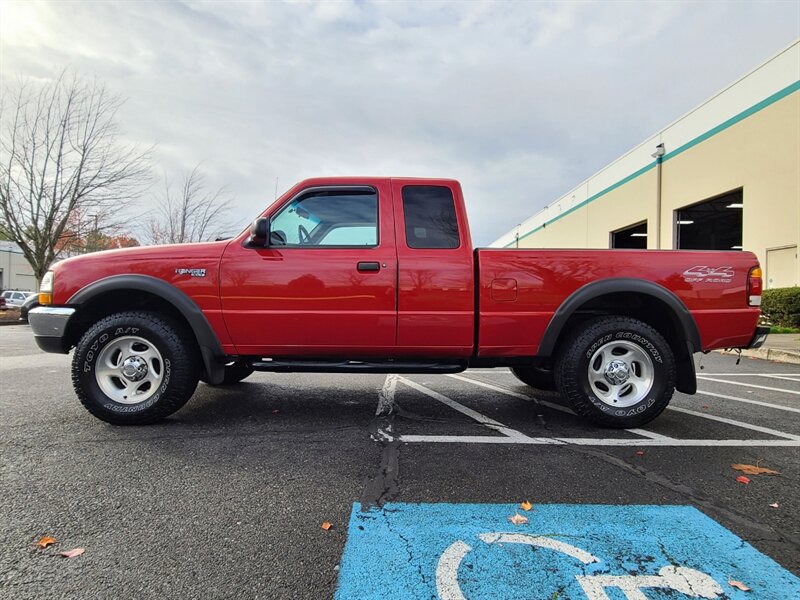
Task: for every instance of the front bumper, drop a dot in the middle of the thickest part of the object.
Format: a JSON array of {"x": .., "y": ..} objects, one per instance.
[
  {"x": 759, "y": 337},
  {"x": 49, "y": 325}
]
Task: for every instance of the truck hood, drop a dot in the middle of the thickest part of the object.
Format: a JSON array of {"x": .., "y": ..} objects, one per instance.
[
  {"x": 183, "y": 265},
  {"x": 170, "y": 252}
]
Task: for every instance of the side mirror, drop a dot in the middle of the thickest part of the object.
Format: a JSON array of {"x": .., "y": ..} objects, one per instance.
[{"x": 259, "y": 233}]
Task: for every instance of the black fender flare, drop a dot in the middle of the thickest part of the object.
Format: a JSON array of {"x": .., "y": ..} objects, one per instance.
[
  {"x": 210, "y": 349},
  {"x": 681, "y": 317}
]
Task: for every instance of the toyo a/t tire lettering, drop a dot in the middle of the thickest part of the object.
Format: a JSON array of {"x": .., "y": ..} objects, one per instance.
[
  {"x": 135, "y": 368},
  {"x": 616, "y": 371}
]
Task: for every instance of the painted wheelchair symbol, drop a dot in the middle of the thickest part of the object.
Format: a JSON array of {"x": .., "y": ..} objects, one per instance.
[{"x": 692, "y": 583}]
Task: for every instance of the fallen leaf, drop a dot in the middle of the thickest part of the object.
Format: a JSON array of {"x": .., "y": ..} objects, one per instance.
[
  {"x": 754, "y": 470},
  {"x": 72, "y": 553},
  {"x": 742, "y": 479},
  {"x": 326, "y": 526},
  {"x": 526, "y": 505},
  {"x": 640, "y": 453},
  {"x": 518, "y": 519},
  {"x": 46, "y": 541},
  {"x": 774, "y": 505},
  {"x": 739, "y": 585}
]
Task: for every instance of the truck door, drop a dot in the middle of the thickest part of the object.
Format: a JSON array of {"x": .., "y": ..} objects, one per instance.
[
  {"x": 326, "y": 285},
  {"x": 436, "y": 294}
]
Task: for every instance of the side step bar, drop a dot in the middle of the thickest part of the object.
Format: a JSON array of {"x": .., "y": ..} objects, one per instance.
[{"x": 354, "y": 366}]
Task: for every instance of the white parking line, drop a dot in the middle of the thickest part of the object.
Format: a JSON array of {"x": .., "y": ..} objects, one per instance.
[
  {"x": 748, "y": 401},
  {"x": 751, "y": 385},
  {"x": 736, "y": 423},
  {"x": 482, "y": 419},
  {"x": 496, "y": 388},
  {"x": 485, "y": 439},
  {"x": 505, "y": 371},
  {"x": 649, "y": 434},
  {"x": 794, "y": 378},
  {"x": 744, "y": 374},
  {"x": 511, "y": 436},
  {"x": 514, "y": 394},
  {"x": 385, "y": 409},
  {"x": 502, "y": 390},
  {"x": 639, "y": 431}
]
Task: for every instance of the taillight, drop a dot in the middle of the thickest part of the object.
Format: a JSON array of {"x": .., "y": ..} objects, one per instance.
[{"x": 754, "y": 287}]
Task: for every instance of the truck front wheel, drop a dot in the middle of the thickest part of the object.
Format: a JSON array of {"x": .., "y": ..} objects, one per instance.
[
  {"x": 616, "y": 371},
  {"x": 134, "y": 368}
]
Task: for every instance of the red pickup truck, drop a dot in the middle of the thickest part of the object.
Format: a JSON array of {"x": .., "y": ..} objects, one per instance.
[{"x": 378, "y": 275}]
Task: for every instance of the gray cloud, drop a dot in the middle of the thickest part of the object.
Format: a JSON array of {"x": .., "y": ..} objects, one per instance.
[{"x": 519, "y": 101}]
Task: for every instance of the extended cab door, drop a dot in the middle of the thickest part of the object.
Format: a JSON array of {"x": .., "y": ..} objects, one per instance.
[
  {"x": 436, "y": 293},
  {"x": 326, "y": 286}
]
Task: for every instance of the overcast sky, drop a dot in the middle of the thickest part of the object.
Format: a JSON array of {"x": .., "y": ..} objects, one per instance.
[{"x": 520, "y": 101}]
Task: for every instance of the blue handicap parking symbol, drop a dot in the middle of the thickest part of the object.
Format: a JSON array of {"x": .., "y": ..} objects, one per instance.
[{"x": 581, "y": 552}]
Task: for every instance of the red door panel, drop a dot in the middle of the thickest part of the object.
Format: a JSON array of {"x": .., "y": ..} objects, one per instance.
[
  {"x": 313, "y": 301},
  {"x": 436, "y": 295}
]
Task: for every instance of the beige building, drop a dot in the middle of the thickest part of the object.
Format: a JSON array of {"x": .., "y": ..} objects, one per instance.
[
  {"x": 15, "y": 272},
  {"x": 724, "y": 176}
]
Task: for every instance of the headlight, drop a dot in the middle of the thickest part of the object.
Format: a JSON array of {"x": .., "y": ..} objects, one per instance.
[{"x": 46, "y": 288}]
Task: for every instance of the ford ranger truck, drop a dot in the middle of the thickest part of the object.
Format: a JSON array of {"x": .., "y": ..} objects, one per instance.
[{"x": 378, "y": 275}]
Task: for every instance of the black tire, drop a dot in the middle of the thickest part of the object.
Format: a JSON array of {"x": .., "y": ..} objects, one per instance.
[
  {"x": 233, "y": 374},
  {"x": 609, "y": 338},
  {"x": 171, "y": 361},
  {"x": 536, "y": 377}
]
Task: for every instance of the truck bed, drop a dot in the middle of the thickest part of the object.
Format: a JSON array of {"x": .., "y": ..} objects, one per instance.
[{"x": 521, "y": 290}]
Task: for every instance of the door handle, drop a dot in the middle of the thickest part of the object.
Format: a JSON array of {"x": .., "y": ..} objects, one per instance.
[{"x": 364, "y": 266}]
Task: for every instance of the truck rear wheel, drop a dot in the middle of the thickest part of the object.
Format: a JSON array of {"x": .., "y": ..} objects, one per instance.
[
  {"x": 536, "y": 377},
  {"x": 616, "y": 371},
  {"x": 134, "y": 368}
]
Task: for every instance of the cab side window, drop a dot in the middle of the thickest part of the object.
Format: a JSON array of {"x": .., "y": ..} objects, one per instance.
[
  {"x": 328, "y": 218},
  {"x": 430, "y": 217}
]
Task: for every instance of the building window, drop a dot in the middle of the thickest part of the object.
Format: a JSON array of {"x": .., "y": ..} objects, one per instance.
[
  {"x": 634, "y": 237},
  {"x": 714, "y": 224}
]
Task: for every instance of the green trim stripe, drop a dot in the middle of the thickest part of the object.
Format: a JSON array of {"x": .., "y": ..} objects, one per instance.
[{"x": 701, "y": 138}]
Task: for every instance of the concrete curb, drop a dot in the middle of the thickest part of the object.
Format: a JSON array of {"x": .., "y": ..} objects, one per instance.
[{"x": 773, "y": 354}]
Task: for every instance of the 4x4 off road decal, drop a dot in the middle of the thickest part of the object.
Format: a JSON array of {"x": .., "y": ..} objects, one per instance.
[{"x": 708, "y": 274}]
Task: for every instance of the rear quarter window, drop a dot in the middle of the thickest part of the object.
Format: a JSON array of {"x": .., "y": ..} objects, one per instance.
[{"x": 430, "y": 217}]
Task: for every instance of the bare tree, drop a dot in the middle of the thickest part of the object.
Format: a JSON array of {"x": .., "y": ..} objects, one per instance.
[
  {"x": 192, "y": 214},
  {"x": 61, "y": 159}
]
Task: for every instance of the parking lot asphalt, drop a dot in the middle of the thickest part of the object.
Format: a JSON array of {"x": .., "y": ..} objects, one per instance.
[{"x": 227, "y": 497}]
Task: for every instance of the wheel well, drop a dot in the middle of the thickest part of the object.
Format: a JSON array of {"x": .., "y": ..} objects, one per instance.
[
  {"x": 115, "y": 301},
  {"x": 647, "y": 309}
]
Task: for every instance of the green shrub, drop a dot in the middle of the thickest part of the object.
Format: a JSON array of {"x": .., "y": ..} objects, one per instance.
[{"x": 781, "y": 306}]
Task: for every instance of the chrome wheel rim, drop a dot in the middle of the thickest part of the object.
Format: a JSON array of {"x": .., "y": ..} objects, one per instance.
[
  {"x": 129, "y": 370},
  {"x": 621, "y": 374}
]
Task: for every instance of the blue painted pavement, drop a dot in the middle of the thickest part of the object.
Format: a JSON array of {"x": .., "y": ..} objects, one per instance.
[{"x": 581, "y": 552}]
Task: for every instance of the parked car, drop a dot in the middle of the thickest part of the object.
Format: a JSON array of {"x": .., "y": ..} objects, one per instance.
[
  {"x": 15, "y": 298},
  {"x": 378, "y": 275},
  {"x": 31, "y": 301},
  {"x": 3, "y": 303}
]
